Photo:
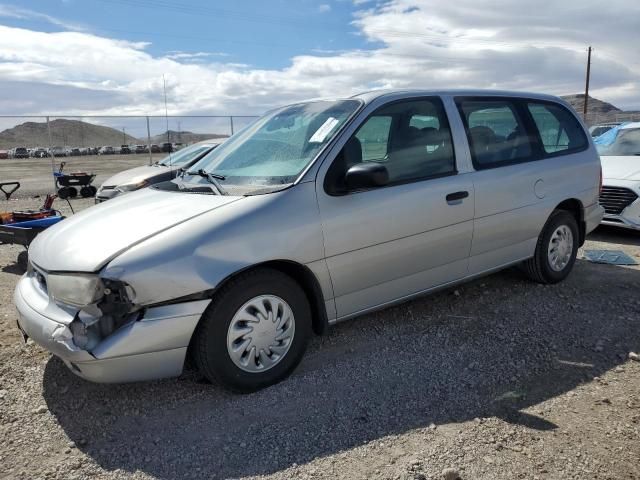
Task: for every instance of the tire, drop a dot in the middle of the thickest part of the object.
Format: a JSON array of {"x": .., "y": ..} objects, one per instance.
[
  {"x": 73, "y": 192},
  {"x": 219, "y": 325},
  {"x": 23, "y": 261},
  {"x": 86, "y": 192},
  {"x": 63, "y": 193},
  {"x": 540, "y": 268},
  {"x": 93, "y": 189}
]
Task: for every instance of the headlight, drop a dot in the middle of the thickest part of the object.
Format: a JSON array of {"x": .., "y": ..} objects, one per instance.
[
  {"x": 130, "y": 187},
  {"x": 75, "y": 289}
]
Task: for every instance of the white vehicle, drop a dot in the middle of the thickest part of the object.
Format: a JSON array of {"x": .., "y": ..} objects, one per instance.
[{"x": 621, "y": 177}]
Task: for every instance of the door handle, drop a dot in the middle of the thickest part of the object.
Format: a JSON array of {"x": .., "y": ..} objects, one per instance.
[{"x": 452, "y": 197}]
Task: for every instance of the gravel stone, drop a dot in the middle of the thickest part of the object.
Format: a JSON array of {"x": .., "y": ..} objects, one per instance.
[{"x": 450, "y": 474}]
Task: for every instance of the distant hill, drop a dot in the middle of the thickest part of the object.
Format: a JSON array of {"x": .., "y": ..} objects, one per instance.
[
  {"x": 184, "y": 137},
  {"x": 63, "y": 133},
  {"x": 594, "y": 107},
  {"x": 74, "y": 133}
]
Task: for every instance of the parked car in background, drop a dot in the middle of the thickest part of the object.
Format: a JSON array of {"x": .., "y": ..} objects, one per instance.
[
  {"x": 290, "y": 225},
  {"x": 40, "y": 153},
  {"x": 597, "y": 130},
  {"x": 167, "y": 147},
  {"x": 4, "y": 154},
  {"x": 142, "y": 149},
  {"x": 106, "y": 150},
  {"x": 20, "y": 152},
  {"x": 59, "y": 151},
  {"x": 156, "y": 148},
  {"x": 620, "y": 156},
  {"x": 162, "y": 171},
  {"x": 125, "y": 150},
  {"x": 74, "y": 152}
]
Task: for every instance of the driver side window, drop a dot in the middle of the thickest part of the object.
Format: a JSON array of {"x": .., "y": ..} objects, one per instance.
[
  {"x": 411, "y": 139},
  {"x": 374, "y": 137}
]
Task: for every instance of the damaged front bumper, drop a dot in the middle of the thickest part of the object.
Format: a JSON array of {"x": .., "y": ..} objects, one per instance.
[{"x": 152, "y": 345}]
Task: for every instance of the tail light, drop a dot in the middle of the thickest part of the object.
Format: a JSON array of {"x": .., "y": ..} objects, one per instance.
[{"x": 600, "y": 187}]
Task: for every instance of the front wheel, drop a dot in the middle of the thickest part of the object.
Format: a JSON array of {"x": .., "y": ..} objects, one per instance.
[
  {"x": 255, "y": 331},
  {"x": 556, "y": 249}
]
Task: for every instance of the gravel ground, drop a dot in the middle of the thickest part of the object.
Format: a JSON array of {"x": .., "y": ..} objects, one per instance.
[
  {"x": 497, "y": 379},
  {"x": 35, "y": 174}
]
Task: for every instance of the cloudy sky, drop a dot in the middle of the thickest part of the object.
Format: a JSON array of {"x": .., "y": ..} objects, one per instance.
[{"x": 109, "y": 56}]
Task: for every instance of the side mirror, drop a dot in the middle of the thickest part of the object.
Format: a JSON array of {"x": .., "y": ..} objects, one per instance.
[{"x": 366, "y": 175}]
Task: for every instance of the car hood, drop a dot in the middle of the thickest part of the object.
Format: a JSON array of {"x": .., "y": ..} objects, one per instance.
[
  {"x": 88, "y": 240},
  {"x": 135, "y": 175},
  {"x": 621, "y": 168}
]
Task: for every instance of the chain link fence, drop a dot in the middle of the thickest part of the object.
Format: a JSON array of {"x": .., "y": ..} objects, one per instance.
[
  {"x": 32, "y": 148},
  {"x": 618, "y": 117},
  {"x": 67, "y": 133}
]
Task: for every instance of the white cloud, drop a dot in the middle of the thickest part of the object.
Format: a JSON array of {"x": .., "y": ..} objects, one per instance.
[
  {"x": 414, "y": 44},
  {"x": 11, "y": 11},
  {"x": 194, "y": 57},
  {"x": 324, "y": 8}
]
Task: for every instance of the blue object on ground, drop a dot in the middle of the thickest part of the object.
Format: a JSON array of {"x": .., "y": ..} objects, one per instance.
[
  {"x": 41, "y": 222},
  {"x": 611, "y": 257}
]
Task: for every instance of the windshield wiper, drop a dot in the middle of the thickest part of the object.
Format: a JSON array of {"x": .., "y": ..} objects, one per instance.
[{"x": 212, "y": 178}]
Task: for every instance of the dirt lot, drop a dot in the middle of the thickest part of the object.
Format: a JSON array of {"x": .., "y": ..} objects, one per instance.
[
  {"x": 496, "y": 379},
  {"x": 35, "y": 174}
]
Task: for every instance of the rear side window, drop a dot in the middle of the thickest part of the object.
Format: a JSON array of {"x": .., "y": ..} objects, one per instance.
[
  {"x": 559, "y": 130},
  {"x": 496, "y": 132}
]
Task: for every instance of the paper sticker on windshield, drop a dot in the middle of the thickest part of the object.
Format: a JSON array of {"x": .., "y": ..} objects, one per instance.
[{"x": 322, "y": 133}]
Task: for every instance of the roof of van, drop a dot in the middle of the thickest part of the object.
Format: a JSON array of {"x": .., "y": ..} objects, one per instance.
[{"x": 371, "y": 95}]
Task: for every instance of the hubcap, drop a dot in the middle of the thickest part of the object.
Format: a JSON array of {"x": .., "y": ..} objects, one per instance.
[
  {"x": 260, "y": 333},
  {"x": 560, "y": 248}
]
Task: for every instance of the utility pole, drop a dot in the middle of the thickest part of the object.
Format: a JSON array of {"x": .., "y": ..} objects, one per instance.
[
  {"x": 124, "y": 137},
  {"x": 586, "y": 87}
]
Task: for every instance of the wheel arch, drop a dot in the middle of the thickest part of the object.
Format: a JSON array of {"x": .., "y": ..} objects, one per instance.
[
  {"x": 575, "y": 208},
  {"x": 299, "y": 273},
  {"x": 303, "y": 276}
]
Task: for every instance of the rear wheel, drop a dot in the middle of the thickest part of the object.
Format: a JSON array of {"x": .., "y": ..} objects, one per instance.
[
  {"x": 73, "y": 192},
  {"x": 86, "y": 192},
  {"x": 63, "y": 193},
  {"x": 556, "y": 249},
  {"x": 255, "y": 331}
]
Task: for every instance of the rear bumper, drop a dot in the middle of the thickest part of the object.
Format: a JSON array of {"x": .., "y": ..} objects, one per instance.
[
  {"x": 152, "y": 347},
  {"x": 593, "y": 215}
]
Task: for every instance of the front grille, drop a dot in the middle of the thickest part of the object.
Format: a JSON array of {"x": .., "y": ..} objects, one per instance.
[{"x": 615, "y": 199}]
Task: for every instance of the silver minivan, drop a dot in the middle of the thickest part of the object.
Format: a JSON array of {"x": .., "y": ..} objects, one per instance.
[{"x": 316, "y": 213}]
